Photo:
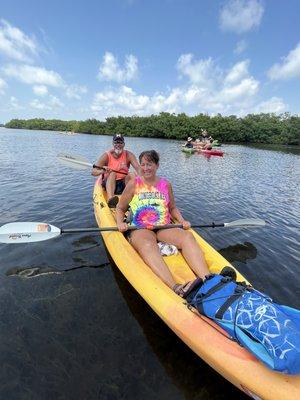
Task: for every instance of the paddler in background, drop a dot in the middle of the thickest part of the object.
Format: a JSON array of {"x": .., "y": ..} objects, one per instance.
[
  {"x": 205, "y": 141},
  {"x": 188, "y": 143},
  {"x": 117, "y": 159}
]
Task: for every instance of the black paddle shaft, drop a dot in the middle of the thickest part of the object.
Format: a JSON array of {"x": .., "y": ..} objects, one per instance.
[{"x": 114, "y": 228}]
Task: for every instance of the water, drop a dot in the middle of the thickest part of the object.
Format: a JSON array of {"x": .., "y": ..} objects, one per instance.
[{"x": 71, "y": 327}]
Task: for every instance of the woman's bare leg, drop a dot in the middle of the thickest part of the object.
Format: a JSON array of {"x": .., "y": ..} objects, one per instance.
[
  {"x": 145, "y": 243},
  {"x": 191, "y": 251}
]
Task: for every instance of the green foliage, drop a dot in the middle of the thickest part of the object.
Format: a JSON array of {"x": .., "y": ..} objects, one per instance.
[{"x": 253, "y": 128}]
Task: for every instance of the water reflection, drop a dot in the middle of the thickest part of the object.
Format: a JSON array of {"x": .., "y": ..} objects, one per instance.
[
  {"x": 280, "y": 148},
  {"x": 239, "y": 252}
]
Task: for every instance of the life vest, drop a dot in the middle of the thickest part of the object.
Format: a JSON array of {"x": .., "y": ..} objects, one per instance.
[
  {"x": 118, "y": 164},
  {"x": 269, "y": 330}
]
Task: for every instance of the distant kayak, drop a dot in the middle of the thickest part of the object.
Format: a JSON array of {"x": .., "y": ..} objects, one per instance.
[
  {"x": 212, "y": 152},
  {"x": 188, "y": 150}
]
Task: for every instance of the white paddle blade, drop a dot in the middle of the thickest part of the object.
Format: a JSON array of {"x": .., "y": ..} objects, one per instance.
[
  {"x": 26, "y": 232},
  {"x": 247, "y": 223},
  {"x": 76, "y": 162}
]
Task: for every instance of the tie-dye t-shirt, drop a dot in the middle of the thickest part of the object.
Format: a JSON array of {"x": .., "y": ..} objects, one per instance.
[{"x": 150, "y": 204}]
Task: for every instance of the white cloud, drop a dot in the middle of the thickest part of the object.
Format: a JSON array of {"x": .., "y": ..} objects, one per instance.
[
  {"x": 52, "y": 104},
  {"x": 273, "y": 105},
  {"x": 33, "y": 75},
  {"x": 75, "y": 91},
  {"x": 242, "y": 91},
  {"x": 15, "y": 44},
  {"x": 208, "y": 89},
  {"x": 289, "y": 67},
  {"x": 111, "y": 71},
  {"x": 198, "y": 72},
  {"x": 241, "y": 16},
  {"x": 40, "y": 90},
  {"x": 240, "y": 47},
  {"x": 3, "y": 85},
  {"x": 55, "y": 102},
  {"x": 37, "y": 104},
  {"x": 14, "y": 103},
  {"x": 237, "y": 72},
  {"x": 123, "y": 99}
]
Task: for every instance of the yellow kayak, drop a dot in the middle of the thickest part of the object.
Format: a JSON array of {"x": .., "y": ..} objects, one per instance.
[{"x": 201, "y": 334}]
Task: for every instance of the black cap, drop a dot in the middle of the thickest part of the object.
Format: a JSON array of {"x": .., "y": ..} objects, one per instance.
[{"x": 118, "y": 138}]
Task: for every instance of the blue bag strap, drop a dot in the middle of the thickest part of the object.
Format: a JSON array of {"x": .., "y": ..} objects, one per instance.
[{"x": 238, "y": 292}]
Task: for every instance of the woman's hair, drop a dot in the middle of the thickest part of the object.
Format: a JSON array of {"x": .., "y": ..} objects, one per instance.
[{"x": 150, "y": 155}]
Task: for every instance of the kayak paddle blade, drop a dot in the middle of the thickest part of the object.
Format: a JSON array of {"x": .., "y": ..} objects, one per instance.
[
  {"x": 245, "y": 223},
  {"x": 76, "y": 162},
  {"x": 27, "y": 232}
]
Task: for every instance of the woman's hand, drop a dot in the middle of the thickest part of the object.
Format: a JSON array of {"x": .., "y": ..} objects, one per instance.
[
  {"x": 122, "y": 227},
  {"x": 186, "y": 224}
]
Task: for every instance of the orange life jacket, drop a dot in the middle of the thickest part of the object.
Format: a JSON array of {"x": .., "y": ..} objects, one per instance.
[{"x": 118, "y": 164}]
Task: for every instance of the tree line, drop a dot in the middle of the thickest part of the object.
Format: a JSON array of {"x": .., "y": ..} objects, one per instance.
[{"x": 253, "y": 128}]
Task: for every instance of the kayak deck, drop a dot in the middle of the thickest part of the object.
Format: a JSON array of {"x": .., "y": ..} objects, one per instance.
[{"x": 202, "y": 335}]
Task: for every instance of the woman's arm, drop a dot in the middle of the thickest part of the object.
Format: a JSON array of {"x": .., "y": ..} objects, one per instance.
[{"x": 122, "y": 205}]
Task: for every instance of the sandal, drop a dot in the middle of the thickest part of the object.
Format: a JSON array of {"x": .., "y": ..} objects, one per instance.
[
  {"x": 113, "y": 201},
  {"x": 184, "y": 289}
]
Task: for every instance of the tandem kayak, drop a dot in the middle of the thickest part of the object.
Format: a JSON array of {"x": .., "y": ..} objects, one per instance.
[
  {"x": 212, "y": 152},
  {"x": 208, "y": 340},
  {"x": 188, "y": 150}
]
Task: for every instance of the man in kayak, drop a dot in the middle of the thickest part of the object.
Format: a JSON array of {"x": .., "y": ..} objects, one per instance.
[
  {"x": 189, "y": 143},
  {"x": 151, "y": 203},
  {"x": 115, "y": 165}
]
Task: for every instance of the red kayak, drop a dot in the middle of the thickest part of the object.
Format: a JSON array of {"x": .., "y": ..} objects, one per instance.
[{"x": 212, "y": 152}]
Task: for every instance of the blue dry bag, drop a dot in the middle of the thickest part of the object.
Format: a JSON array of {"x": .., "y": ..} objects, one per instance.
[{"x": 269, "y": 330}]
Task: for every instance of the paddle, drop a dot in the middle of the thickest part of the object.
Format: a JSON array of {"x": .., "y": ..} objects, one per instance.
[
  {"x": 79, "y": 162},
  {"x": 27, "y": 232}
]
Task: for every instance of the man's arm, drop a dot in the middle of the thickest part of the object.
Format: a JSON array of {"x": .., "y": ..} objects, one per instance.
[
  {"x": 134, "y": 162},
  {"x": 102, "y": 161}
]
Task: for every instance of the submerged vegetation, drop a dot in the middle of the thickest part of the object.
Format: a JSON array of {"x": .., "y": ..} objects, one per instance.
[{"x": 253, "y": 128}]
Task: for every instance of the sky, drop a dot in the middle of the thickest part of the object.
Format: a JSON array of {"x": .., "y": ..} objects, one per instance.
[{"x": 75, "y": 60}]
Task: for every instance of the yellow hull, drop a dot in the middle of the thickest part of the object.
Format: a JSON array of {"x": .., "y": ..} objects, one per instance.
[{"x": 202, "y": 335}]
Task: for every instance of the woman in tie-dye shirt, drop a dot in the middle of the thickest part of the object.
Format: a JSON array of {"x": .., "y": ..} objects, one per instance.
[{"x": 152, "y": 203}]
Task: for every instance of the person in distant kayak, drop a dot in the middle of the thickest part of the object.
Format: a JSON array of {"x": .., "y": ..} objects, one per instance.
[
  {"x": 189, "y": 143},
  {"x": 204, "y": 142},
  {"x": 151, "y": 203},
  {"x": 117, "y": 159},
  {"x": 198, "y": 145},
  {"x": 208, "y": 144}
]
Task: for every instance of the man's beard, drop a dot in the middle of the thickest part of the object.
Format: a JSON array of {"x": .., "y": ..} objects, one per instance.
[{"x": 118, "y": 151}]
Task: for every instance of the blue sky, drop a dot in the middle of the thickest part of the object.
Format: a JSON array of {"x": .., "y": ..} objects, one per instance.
[{"x": 96, "y": 59}]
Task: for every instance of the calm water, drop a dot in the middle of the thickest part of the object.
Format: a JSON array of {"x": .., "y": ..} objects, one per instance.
[{"x": 80, "y": 331}]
